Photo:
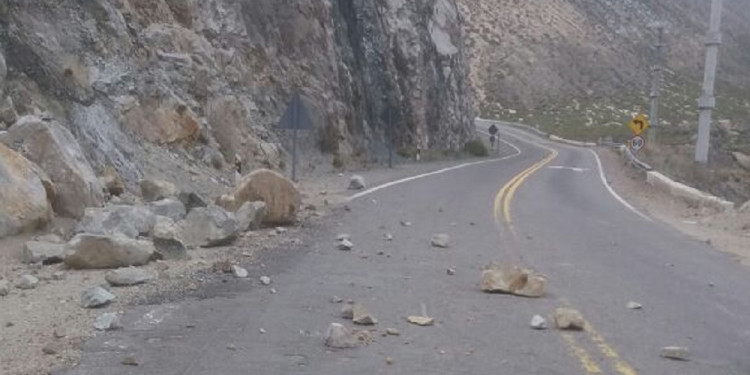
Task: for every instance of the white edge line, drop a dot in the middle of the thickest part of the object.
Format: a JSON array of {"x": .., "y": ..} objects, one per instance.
[
  {"x": 612, "y": 191},
  {"x": 439, "y": 171}
]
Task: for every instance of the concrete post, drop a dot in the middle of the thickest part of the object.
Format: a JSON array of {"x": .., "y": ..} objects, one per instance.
[
  {"x": 707, "y": 101},
  {"x": 656, "y": 83}
]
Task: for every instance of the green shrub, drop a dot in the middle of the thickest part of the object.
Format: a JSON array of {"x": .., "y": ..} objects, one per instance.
[{"x": 476, "y": 148}]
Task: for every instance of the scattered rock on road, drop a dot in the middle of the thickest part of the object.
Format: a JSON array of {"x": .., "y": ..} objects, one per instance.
[
  {"x": 337, "y": 299},
  {"x": 128, "y": 276},
  {"x": 210, "y": 226},
  {"x": 90, "y": 251},
  {"x": 343, "y": 236},
  {"x": 423, "y": 321},
  {"x": 441, "y": 240},
  {"x": 388, "y": 237},
  {"x": 361, "y": 316},
  {"x": 569, "y": 319},
  {"x": 538, "y": 322},
  {"x": 357, "y": 182},
  {"x": 96, "y": 297},
  {"x": 340, "y": 337},
  {"x": 278, "y": 192},
  {"x": 347, "y": 312},
  {"x": 27, "y": 282},
  {"x": 634, "y": 305},
  {"x": 107, "y": 322},
  {"x": 450, "y": 271},
  {"x": 405, "y": 223},
  {"x": 239, "y": 272},
  {"x": 392, "y": 332},
  {"x": 265, "y": 280},
  {"x": 509, "y": 279},
  {"x": 676, "y": 353},
  {"x": 346, "y": 245},
  {"x": 130, "y": 361},
  {"x": 43, "y": 252}
]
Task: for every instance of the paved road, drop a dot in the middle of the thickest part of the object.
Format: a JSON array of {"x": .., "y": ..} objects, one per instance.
[{"x": 557, "y": 217}]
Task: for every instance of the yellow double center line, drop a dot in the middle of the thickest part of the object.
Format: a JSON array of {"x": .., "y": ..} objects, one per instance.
[{"x": 504, "y": 197}]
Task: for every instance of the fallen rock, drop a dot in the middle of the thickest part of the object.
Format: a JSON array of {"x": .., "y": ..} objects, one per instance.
[
  {"x": 191, "y": 200},
  {"x": 538, "y": 322},
  {"x": 251, "y": 215},
  {"x": 227, "y": 202},
  {"x": 96, "y": 297},
  {"x": 8, "y": 114},
  {"x": 345, "y": 245},
  {"x": 90, "y": 251},
  {"x": 265, "y": 280},
  {"x": 406, "y": 224},
  {"x": 50, "y": 349},
  {"x": 634, "y": 305},
  {"x": 361, "y": 316},
  {"x": 167, "y": 240},
  {"x": 154, "y": 190},
  {"x": 423, "y": 321},
  {"x": 347, "y": 311},
  {"x": 128, "y": 276},
  {"x": 357, "y": 182},
  {"x": 129, "y": 361},
  {"x": 742, "y": 159},
  {"x": 677, "y": 353},
  {"x": 388, "y": 237},
  {"x": 43, "y": 252},
  {"x": 54, "y": 149},
  {"x": 112, "y": 182},
  {"x": 569, "y": 319},
  {"x": 392, "y": 332},
  {"x": 279, "y": 193},
  {"x": 49, "y": 238},
  {"x": 27, "y": 282},
  {"x": 169, "y": 207},
  {"x": 239, "y": 272},
  {"x": 450, "y": 271},
  {"x": 340, "y": 337},
  {"x": 107, "y": 322},
  {"x": 4, "y": 288},
  {"x": 441, "y": 240},
  {"x": 131, "y": 221},
  {"x": 343, "y": 236},
  {"x": 504, "y": 278},
  {"x": 24, "y": 204},
  {"x": 210, "y": 227}
]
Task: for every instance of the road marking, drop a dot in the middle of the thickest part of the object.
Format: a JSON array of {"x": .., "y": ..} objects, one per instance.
[
  {"x": 440, "y": 171},
  {"x": 574, "y": 169},
  {"x": 583, "y": 356},
  {"x": 612, "y": 191},
  {"x": 622, "y": 367}
]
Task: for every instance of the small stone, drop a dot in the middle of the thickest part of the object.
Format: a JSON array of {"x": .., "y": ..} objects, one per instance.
[
  {"x": 265, "y": 280},
  {"x": 49, "y": 349},
  {"x": 423, "y": 321},
  {"x": 339, "y": 337},
  {"x": 361, "y": 316},
  {"x": 27, "y": 282},
  {"x": 129, "y": 361},
  {"x": 273, "y": 291},
  {"x": 280, "y": 230},
  {"x": 262, "y": 331},
  {"x": 347, "y": 312},
  {"x": 392, "y": 332},
  {"x": 634, "y": 305},
  {"x": 129, "y": 276},
  {"x": 343, "y": 236},
  {"x": 4, "y": 288},
  {"x": 450, "y": 271},
  {"x": 96, "y": 297},
  {"x": 405, "y": 223},
  {"x": 676, "y": 353},
  {"x": 357, "y": 182},
  {"x": 239, "y": 272},
  {"x": 59, "y": 275},
  {"x": 538, "y": 322},
  {"x": 389, "y": 360},
  {"x": 569, "y": 319},
  {"x": 337, "y": 299},
  {"x": 346, "y": 245},
  {"x": 107, "y": 322},
  {"x": 388, "y": 237},
  {"x": 232, "y": 347},
  {"x": 441, "y": 240}
]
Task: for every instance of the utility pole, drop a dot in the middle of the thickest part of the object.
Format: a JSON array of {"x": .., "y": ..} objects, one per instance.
[
  {"x": 707, "y": 101},
  {"x": 657, "y": 80}
]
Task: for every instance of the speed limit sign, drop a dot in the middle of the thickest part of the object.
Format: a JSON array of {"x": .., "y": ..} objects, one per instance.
[{"x": 637, "y": 143}]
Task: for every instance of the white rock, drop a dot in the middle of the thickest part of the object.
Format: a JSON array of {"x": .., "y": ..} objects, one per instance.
[
  {"x": 265, "y": 280},
  {"x": 239, "y": 272},
  {"x": 27, "y": 282},
  {"x": 361, "y": 316},
  {"x": 346, "y": 245},
  {"x": 388, "y": 237},
  {"x": 441, "y": 240},
  {"x": 357, "y": 182},
  {"x": 538, "y": 322},
  {"x": 128, "y": 276},
  {"x": 676, "y": 352},
  {"x": 569, "y": 319},
  {"x": 339, "y": 337},
  {"x": 343, "y": 236},
  {"x": 634, "y": 305},
  {"x": 450, "y": 271},
  {"x": 107, "y": 322}
]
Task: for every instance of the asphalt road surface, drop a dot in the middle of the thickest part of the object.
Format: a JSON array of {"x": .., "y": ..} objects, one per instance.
[{"x": 541, "y": 204}]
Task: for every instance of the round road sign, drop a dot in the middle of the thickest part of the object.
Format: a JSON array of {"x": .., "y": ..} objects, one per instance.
[{"x": 637, "y": 143}]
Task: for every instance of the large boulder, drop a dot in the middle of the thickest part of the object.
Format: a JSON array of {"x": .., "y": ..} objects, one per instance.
[
  {"x": 24, "y": 202},
  {"x": 251, "y": 215},
  {"x": 90, "y": 251},
  {"x": 56, "y": 151},
  {"x": 509, "y": 279},
  {"x": 171, "y": 208},
  {"x": 168, "y": 240},
  {"x": 128, "y": 276},
  {"x": 43, "y": 252},
  {"x": 278, "y": 192},
  {"x": 130, "y": 221},
  {"x": 210, "y": 226}
]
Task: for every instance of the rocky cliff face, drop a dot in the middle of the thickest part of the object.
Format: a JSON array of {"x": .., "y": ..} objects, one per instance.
[
  {"x": 528, "y": 55},
  {"x": 175, "y": 86}
]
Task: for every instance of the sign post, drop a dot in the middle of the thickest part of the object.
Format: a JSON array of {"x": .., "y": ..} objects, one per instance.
[
  {"x": 639, "y": 124},
  {"x": 295, "y": 117}
]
